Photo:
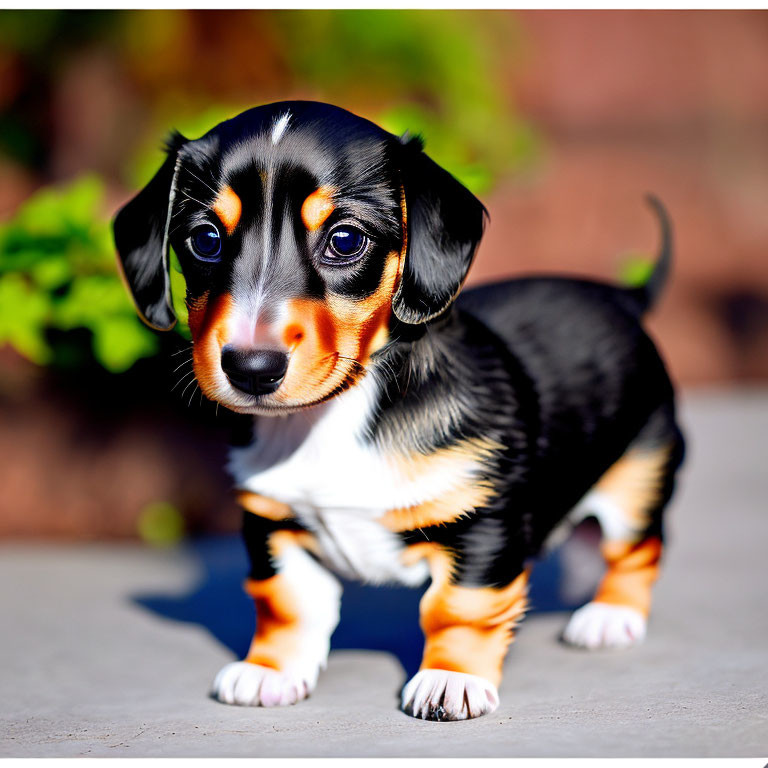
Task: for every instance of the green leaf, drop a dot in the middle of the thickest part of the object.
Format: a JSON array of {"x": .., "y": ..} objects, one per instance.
[
  {"x": 51, "y": 273},
  {"x": 118, "y": 342},
  {"x": 23, "y": 315},
  {"x": 54, "y": 211},
  {"x": 91, "y": 299},
  {"x": 58, "y": 271}
]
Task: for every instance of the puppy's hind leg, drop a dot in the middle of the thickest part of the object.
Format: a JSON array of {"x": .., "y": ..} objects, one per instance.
[
  {"x": 628, "y": 502},
  {"x": 297, "y": 609}
]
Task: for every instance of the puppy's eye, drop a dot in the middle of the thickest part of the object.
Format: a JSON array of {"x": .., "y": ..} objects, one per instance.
[
  {"x": 345, "y": 245},
  {"x": 206, "y": 242}
]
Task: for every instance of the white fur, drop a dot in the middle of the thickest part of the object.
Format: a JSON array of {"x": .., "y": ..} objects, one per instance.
[
  {"x": 601, "y": 625},
  {"x": 251, "y": 685},
  {"x": 437, "y": 694},
  {"x": 316, "y": 462},
  {"x": 614, "y": 521},
  {"x": 318, "y": 595},
  {"x": 279, "y": 128}
]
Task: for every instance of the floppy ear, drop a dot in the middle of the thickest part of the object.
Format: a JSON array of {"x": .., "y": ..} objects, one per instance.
[
  {"x": 141, "y": 236},
  {"x": 444, "y": 226}
]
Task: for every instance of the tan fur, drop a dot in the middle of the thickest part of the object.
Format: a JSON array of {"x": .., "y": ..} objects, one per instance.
[
  {"x": 208, "y": 323},
  {"x": 332, "y": 340},
  {"x": 632, "y": 570},
  {"x": 228, "y": 207},
  {"x": 468, "y": 629},
  {"x": 263, "y": 506},
  {"x": 317, "y": 208},
  {"x": 278, "y": 631},
  {"x": 634, "y": 483},
  {"x": 462, "y": 500}
]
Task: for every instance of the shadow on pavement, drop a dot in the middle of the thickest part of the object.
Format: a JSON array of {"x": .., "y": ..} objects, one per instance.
[{"x": 372, "y": 618}]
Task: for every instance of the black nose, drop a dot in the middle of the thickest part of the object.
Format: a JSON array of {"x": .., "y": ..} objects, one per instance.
[{"x": 254, "y": 371}]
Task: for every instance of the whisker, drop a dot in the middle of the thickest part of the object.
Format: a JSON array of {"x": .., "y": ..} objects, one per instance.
[
  {"x": 179, "y": 208},
  {"x": 193, "y": 381},
  {"x": 200, "y": 180},
  {"x": 189, "y": 404},
  {"x": 205, "y": 205},
  {"x": 183, "y": 363},
  {"x": 189, "y": 373}
]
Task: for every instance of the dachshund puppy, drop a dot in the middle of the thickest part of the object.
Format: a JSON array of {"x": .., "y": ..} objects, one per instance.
[{"x": 400, "y": 433}]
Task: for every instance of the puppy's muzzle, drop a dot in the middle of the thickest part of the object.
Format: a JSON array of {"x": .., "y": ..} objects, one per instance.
[{"x": 254, "y": 371}]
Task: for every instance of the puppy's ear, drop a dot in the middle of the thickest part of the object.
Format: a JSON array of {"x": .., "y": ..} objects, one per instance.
[
  {"x": 444, "y": 224},
  {"x": 141, "y": 236}
]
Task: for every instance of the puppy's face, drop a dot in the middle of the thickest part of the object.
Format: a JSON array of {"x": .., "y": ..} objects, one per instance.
[{"x": 292, "y": 225}]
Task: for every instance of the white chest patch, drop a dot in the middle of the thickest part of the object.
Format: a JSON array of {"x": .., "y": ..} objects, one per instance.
[{"x": 339, "y": 486}]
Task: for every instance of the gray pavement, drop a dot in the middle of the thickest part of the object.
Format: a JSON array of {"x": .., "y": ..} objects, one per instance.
[{"x": 109, "y": 649}]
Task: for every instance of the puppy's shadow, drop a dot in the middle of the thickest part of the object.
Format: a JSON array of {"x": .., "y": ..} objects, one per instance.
[{"x": 372, "y": 618}]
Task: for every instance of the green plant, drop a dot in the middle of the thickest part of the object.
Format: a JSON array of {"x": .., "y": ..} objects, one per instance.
[
  {"x": 58, "y": 272},
  {"x": 635, "y": 268},
  {"x": 435, "y": 73}
]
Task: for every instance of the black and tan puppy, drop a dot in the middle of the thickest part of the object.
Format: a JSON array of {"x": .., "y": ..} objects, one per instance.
[{"x": 400, "y": 433}]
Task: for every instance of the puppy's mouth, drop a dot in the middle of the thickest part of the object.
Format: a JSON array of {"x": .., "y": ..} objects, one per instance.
[{"x": 281, "y": 393}]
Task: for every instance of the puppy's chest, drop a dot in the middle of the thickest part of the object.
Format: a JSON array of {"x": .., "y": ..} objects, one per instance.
[{"x": 340, "y": 485}]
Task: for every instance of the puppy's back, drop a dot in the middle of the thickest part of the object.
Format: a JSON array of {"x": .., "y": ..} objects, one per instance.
[{"x": 594, "y": 371}]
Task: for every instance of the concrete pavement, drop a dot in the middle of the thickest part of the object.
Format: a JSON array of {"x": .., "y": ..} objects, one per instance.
[{"x": 109, "y": 649}]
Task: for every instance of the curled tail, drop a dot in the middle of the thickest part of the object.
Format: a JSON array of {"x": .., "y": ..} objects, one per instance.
[{"x": 647, "y": 294}]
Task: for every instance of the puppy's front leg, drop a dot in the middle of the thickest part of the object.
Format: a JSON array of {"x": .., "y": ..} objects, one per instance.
[
  {"x": 297, "y": 609},
  {"x": 467, "y": 632}
]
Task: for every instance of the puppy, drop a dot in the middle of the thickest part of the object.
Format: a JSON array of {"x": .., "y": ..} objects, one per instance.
[{"x": 400, "y": 432}]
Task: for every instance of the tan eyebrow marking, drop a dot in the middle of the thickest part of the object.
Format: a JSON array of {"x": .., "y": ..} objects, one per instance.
[
  {"x": 317, "y": 208},
  {"x": 227, "y": 207}
]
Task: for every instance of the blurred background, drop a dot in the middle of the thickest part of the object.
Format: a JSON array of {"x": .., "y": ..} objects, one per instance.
[{"x": 559, "y": 121}]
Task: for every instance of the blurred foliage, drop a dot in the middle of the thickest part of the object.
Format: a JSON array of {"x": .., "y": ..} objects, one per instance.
[
  {"x": 57, "y": 272},
  {"x": 434, "y": 73},
  {"x": 161, "y": 524},
  {"x": 635, "y": 268}
]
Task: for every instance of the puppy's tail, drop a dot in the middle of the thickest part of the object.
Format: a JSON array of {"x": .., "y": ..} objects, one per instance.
[{"x": 646, "y": 295}]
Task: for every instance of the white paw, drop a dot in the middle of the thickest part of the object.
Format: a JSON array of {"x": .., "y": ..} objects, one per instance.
[
  {"x": 436, "y": 694},
  {"x": 601, "y": 625},
  {"x": 252, "y": 685}
]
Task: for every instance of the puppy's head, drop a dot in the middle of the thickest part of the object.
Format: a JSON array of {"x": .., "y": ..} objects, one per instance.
[{"x": 305, "y": 234}]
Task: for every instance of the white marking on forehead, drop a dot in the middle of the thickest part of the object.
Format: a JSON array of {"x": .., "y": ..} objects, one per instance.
[{"x": 278, "y": 129}]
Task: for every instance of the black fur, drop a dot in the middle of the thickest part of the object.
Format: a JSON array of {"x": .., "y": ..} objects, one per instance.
[
  {"x": 557, "y": 371},
  {"x": 445, "y": 224},
  {"x": 556, "y": 375},
  {"x": 372, "y": 167},
  {"x": 141, "y": 236}
]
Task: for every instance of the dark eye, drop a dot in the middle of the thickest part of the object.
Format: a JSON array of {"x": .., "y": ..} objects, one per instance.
[
  {"x": 206, "y": 242},
  {"x": 346, "y": 244}
]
